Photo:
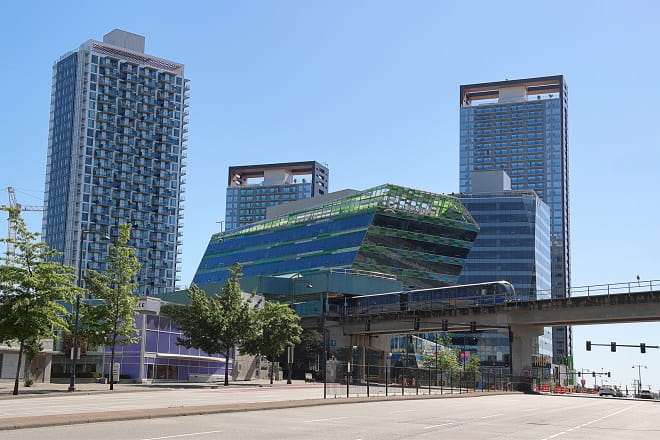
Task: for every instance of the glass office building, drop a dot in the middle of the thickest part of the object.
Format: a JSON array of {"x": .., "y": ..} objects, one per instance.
[
  {"x": 116, "y": 151},
  {"x": 254, "y": 188},
  {"x": 513, "y": 242},
  {"x": 521, "y": 127},
  {"x": 422, "y": 238},
  {"x": 513, "y": 245}
]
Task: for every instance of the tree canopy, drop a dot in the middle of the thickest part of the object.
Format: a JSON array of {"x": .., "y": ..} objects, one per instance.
[
  {"x": 276, "y": 327},
  {"x": 32, "y": 288},
  {"x": 217, "y": 324},
  {"x": 109, "y": 321}
]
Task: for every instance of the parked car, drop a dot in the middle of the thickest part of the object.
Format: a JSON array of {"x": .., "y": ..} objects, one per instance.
[
  {"x": 606, "y": 391},
  {"x": 645, "y": 394}
]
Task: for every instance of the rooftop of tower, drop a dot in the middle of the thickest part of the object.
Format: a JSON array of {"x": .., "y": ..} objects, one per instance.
[{"x": 511, "y": 89}]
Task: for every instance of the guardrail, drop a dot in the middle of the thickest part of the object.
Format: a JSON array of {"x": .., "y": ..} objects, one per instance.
[{"x": 638, "y": 286}]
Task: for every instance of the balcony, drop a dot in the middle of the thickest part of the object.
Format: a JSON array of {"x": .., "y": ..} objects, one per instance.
[
  {"x": 128, "y": 68},
  {"x": 125, "y": 122},
  {"x": 104, "y": 62},
  {"x": 107, "y": 81},
  {"x": 106, "y": 100},
  {"x": 125, "y": 103}
]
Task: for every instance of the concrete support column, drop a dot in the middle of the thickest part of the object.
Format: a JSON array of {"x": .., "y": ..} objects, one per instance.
[
  {"x": 522, "y": 347},
  {"x": 362, "y": 358}
]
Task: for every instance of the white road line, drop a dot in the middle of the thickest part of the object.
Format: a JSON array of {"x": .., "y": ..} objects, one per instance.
[
  {"x": 494, "y": 415},
  {"x": 435, "y": 426},
  {"x": 323, "y": 420},
  {"x": 588, "y": 423},
  {"x": 402, "y": 411},
  {"x": 182, "y": 435}
]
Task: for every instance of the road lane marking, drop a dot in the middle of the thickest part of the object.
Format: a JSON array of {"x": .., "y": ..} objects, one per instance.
[
  {"x": 402, "y": 411},
  {"x": 435, "y": 426},
  {"x": 494, "y": 415},
  {"x": 588, "y": 423},
  {"x": 182, "y": 435},
  {"x": 324, "y": 420}
]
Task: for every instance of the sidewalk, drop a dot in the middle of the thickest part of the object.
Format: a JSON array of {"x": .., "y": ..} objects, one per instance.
[
  {"x": 50, "y": 389},
  {"x": 291, "y": 396}
]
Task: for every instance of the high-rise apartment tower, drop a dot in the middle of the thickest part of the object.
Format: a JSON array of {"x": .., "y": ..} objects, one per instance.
[
  {"x": 521, "y": 127},
  {"x": 116, "y": 150},
  {"x": 251, "y": 189}
]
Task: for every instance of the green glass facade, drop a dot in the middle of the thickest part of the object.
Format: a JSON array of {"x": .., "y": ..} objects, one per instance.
[{"x": 420, "y": 237}]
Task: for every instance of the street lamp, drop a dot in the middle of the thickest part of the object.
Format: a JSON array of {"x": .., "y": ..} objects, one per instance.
[
  {"x": 293, "y": 307},
  {"x": 326, "y": 338},
  {"x": 639, "y": 372},
  {"x": 72, "y": 381}
]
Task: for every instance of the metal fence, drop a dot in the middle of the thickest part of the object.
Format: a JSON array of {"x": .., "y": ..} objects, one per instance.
[{"x": 357, "y": 380}]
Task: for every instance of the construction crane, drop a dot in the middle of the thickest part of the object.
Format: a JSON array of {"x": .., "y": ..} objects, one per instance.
[{"x": 14, "y": 210}]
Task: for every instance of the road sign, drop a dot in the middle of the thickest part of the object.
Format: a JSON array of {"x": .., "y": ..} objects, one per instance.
[{"x": 333, "y": 343}]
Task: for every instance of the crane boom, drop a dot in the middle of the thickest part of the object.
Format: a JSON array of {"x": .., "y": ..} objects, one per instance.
[{"x": 15, "y": 209}]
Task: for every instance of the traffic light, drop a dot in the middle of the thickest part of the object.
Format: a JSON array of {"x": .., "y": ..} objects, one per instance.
[
  {"x": 473, "y": 326},
  {"x": 579, "y": 373},
  {"x": 642, "y": 347},
  {"x": 445, "y": 325},
  {"x": 609, "y": 374},
  {"x": 612, "y": 346},
  {"x": 588, "y": 345},
  {"x": 593, "y": 374}
]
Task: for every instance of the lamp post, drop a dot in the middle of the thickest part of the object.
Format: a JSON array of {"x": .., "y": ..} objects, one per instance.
[
  {"x": 387, "y": 365},
  {"x": 72, "y": 380},
  {"x": 293, "y": 307},
  {"x": 639, "y": 372},
  {"x": 325, "y": 360}
]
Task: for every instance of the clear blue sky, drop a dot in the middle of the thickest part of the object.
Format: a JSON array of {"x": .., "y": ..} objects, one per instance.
[{"x": 372, "y": 89}]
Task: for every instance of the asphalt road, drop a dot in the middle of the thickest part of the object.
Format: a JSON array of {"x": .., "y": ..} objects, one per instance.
[{"x": 490, "y": 417}]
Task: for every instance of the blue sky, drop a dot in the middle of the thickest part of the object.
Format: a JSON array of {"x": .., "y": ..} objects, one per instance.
[{"x": 372, "y": 89}]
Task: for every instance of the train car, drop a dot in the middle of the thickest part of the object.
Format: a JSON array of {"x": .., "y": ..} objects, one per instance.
[{"x": 465, "y": 295}]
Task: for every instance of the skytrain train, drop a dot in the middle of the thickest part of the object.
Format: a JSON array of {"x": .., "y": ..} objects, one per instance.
[{"x": 465, "y": 295}]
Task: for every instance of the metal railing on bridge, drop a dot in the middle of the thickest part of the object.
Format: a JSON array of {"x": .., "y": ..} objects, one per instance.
[{"x": 612, "y": 288}]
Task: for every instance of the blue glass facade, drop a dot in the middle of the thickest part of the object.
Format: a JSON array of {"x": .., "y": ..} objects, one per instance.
[
  {"x": 513, "y": 242},
  {"x": 59, "y": 157},
  {"x": 513, "y": 245},
  {"x": 521, "y": 127}
]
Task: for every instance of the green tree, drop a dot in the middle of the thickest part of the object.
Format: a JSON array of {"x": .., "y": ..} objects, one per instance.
[
  {"x": 32, "y": 286},
  {"x": 446, "y": 358},
  {"x": 472, "y": 367},
  {"x": 277, "y": 326},
  {"x": 111, "y": 320},
  {"x": 217, "y": 324},
  {"x": 310, "y": 349}
]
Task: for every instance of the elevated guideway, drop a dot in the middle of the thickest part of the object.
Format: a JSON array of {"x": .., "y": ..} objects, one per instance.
[{"x": 637, "y": 301}]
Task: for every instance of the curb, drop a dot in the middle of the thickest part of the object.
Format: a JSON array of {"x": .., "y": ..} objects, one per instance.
[{"x": 114, "y": 416}]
